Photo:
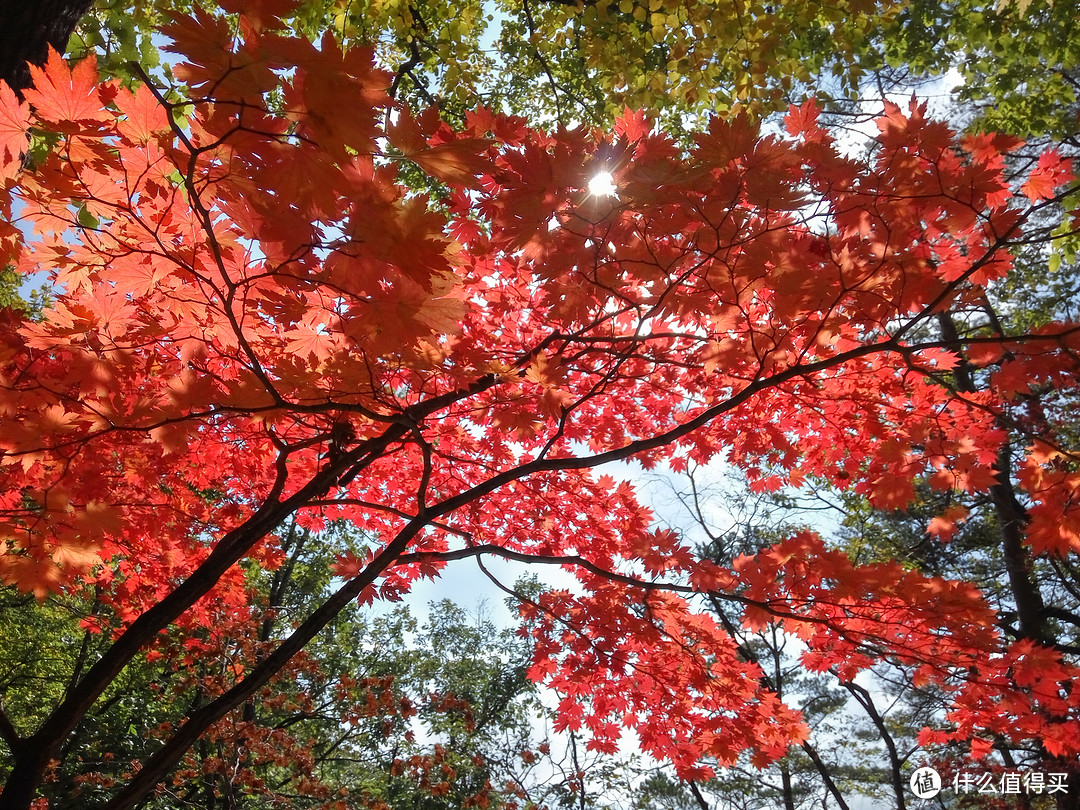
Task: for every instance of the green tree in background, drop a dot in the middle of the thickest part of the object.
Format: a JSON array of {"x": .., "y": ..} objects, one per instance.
[
  {"x": 382, "y": 712},
  {"x": 583, "y": 62},
  {"x": 567, "y": 61}
]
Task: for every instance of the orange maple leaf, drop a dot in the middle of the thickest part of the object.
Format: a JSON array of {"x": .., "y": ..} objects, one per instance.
[
  {"x": 14, "y": 124},
  {"x": 62, "y": 96}
]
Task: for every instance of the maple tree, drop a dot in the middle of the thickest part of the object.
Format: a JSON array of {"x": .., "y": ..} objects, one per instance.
[{"x": 256, "y": 321}]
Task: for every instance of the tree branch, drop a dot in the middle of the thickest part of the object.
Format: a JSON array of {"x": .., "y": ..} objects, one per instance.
[
  {"x": 704, "y": 805},
  {"x": 8, "y": 733}
]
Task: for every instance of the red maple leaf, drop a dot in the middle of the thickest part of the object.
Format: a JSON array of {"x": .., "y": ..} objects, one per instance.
[{"x": 1051, "y": 172}]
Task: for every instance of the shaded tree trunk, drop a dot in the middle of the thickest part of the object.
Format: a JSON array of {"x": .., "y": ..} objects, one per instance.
[{"x": 28, "y": 28}]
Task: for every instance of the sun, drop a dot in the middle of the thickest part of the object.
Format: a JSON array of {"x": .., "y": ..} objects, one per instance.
[{"x": 602, "y": 184}]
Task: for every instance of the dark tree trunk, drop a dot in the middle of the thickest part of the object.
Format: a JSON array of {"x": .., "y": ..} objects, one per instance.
[{"x": 28, "y": 28}]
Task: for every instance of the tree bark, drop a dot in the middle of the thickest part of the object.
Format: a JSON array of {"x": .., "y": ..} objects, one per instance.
[{"x": 27, "y": 29}]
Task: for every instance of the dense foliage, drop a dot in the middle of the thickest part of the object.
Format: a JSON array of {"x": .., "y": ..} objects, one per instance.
[{"x": 264, "y": 338}]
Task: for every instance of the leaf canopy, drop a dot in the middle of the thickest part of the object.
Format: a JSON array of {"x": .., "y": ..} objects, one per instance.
[{"x": 256, "y": 320}]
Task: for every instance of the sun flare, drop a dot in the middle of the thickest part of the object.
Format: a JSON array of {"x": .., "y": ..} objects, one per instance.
[{"x": 602, "y": 184}]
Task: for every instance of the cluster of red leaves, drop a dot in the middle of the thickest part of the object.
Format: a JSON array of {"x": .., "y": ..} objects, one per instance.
[
  {"x": 254, "y": 314},
  {"x": 1023, "y": 691},
  {"x": 676, "y": 676}
]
